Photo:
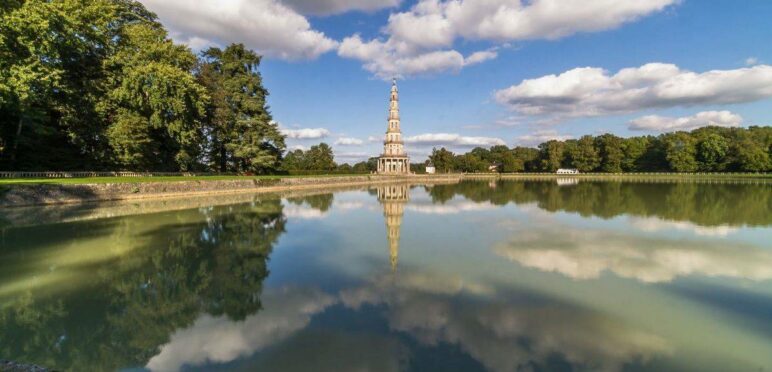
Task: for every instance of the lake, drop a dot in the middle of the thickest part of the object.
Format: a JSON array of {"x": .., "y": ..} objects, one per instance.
[{"x": 539, "y": 274}]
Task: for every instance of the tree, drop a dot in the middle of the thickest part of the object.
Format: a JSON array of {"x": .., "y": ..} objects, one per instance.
[
  {"x": 526, "y": 159},
  {"x": 634, "y": 149},
  {"x": 361, "y": 167},
  {"x": 551, "y": 155},
  {"x": 584, "y": 155},
  {"x": 442, "y": 160},
  {"x": 711, "y": 153},
  {"x": 320, "y": 158},
  {"x": 611, "y": 152},
  {"x": 749, "y": 155},
  {"x": 680, "y": 151},
  {"x": 295, "y": 160},
  {"x": 154, "y": 106},
  {"x": 243, "y": 135},
  {"x": 50, "y": 74}
]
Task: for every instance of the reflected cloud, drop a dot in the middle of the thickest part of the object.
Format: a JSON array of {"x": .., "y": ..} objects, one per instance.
[
  {"x": 505, "y": 336},
  {"x": 303, "y": 212},
  {"x": 586, "y": 254},
  {"x": 220, "y": 340},
  {"x": 453, "y": 207},
  {"x": 653, "y": 224}
]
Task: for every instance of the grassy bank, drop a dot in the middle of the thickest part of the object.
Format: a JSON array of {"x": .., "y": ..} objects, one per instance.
[{"x": 96, "y": 180}]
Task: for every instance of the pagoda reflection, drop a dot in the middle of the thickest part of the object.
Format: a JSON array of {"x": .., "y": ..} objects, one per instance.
[{"x": 393, "y": 198}]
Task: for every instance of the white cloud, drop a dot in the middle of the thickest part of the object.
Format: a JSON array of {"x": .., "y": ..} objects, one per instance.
[
  {"x": 586, "y": 254},
  {"x": 292, "y": 211},
  {"x": 419, "y": 41},
  {"x": 348, "y": 141},
  {"x": 268, "y": 26},
  {"x": 386, "y": 59},
  {"x": 374, "y": 139},
  {"x": 751, "y": 61},
  {"x": 328, "y": 7},
  {"x": 701, "y": 119},
  {"x": 220, "y": 340},
  {"x": 448, "y": 139},
  {"x": 540, "y": 136},
  {"x": 438, "y": 23},
  {"x": 589, "y": 91},
  {"x": 306, "y": 133},
  {"x": 449, "y": 207},
  {"x": 654, "y": 224}
]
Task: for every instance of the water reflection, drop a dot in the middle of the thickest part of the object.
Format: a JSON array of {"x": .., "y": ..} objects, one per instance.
[
  {"x": 498, "y": 276},
  {"x": 161, "y": 272},
  {"x": 393, "y": 199}
]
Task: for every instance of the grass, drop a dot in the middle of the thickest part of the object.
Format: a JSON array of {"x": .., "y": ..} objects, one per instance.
[{"x": 85, "y": 180}]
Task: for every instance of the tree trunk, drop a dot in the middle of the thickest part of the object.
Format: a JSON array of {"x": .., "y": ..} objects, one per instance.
[
  {"x": 223, "y": 159},
  {"x": 16, "y": 139}
]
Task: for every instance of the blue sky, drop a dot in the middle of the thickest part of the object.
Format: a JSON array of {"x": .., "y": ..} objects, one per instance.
[{"x": 482, "y": 72}]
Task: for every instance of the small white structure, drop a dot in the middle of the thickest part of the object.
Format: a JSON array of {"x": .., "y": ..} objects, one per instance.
[
  {"x": 567, "y": 171},
  {"x": 430, "y": 169}
]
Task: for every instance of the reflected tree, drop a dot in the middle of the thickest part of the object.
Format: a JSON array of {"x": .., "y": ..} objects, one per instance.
[{"x": 179, "y": 266}]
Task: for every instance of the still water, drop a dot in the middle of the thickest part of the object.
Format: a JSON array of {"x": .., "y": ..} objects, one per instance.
[{"x": 479, "y": 275}]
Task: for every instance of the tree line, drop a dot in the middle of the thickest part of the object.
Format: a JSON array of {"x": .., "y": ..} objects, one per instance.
[
  {"x": 707, "y": 149},
  {"x": 99, "y": 85}
]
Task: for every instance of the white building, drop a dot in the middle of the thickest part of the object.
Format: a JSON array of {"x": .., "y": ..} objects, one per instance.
[
  {"x": 430, "y": 169},
  {"x": 394, "y": 160},
  {"x": 567, "y": 171}
]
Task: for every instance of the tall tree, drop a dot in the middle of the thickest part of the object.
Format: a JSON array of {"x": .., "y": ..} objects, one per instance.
[
  {"x": 610, "y": 149},
  {"x": 321, "y": 158},
  {"x": 584, "y": 155},
  {"x": 680, "y": 151},
  {"x": 442, "y": 160},
  {"x": 551, "y": 155},
  {"x": 154, "y": 105},
  {"x": 243, "y": 135}
]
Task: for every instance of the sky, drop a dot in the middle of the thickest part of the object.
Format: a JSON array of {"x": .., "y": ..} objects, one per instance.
[{"x": 489, "y": 72}]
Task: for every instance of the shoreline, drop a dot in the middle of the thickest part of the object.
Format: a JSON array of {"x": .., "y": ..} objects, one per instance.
[{"x": 25, "y": 195}]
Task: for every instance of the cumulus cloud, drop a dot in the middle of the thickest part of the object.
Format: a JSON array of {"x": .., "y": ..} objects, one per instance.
[
  {"x": 270, "y": 27},
  {"x": 653, "y": 224},
  {"x": 328, "y": 7},
  {"x": 702, "y": 119},
  {"x": 438, "y": 23},
  {"x": 751, "y": 61},
  {"x": 386, "y": 59},
  {"x": 348, "y": 141},
  {"x": 451, "y": 139},
  {"x": 505, "y": 336},
  {"x": 540, "y": 136},
  {"x": 220, "y": 340},
  {"x": 449, "y": 208},
  {"x": 590, "y": 91},
  {"x": 419, "y": 41},
  {"x": 586, "y": 254},
  {"x": 306, "y": 133}
]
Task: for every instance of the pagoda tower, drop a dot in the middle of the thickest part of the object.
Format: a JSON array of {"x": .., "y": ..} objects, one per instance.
[
  {"x": 393, "y": 198},
  {"x": 394, "y": 160}
]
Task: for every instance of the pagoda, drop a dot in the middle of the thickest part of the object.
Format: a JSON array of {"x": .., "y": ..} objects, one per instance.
[{"x": 394, "y": 160}]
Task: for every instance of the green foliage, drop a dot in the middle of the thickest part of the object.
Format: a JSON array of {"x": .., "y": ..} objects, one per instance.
[
  {"x": 243, "y": 134},
  {"x": 317, "y": 158},
  {"x": 584, "y": 156},
  {"x": 610, "y": 148},
  {"x": 551, "y": 154},
  {"x": 442, "y": 159},
  {"x": 680, "y": 151},
  {"x": 98, "y": 85},
  {"x": 707, "y": 149}
]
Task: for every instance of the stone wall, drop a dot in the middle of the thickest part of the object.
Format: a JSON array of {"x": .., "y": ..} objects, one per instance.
[{"x": 23, "y": 195}]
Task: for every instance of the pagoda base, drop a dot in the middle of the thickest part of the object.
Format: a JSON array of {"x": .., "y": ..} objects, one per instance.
[{"x": 393, "y": 165}]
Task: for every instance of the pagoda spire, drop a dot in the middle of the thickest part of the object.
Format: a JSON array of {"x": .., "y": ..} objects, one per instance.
[{"x": 393, "y": 160}]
